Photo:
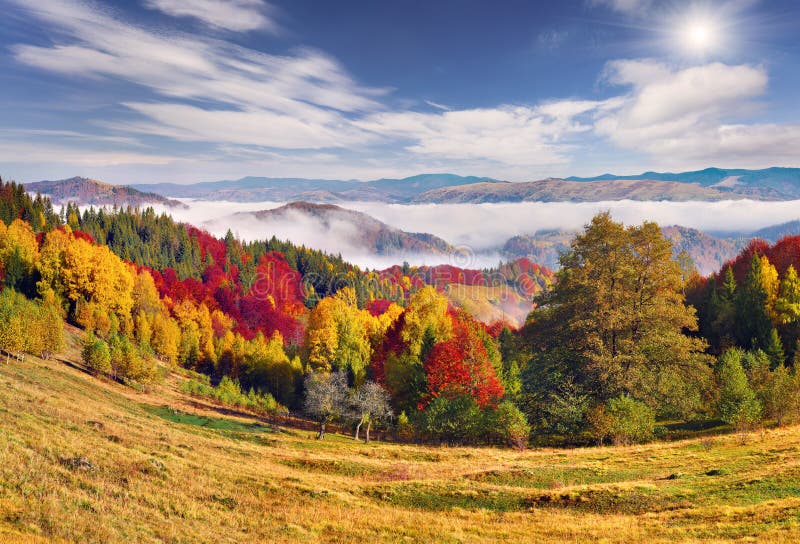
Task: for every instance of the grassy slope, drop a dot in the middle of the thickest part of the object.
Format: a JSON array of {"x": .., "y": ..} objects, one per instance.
[{"x": 167, "y": 468}]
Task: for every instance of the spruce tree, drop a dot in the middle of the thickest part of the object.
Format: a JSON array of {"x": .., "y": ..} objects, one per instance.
[{"x": 753, "y": 325}]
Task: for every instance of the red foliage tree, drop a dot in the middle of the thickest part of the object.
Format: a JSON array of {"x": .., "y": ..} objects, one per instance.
[{"x": 461, "y": 366}]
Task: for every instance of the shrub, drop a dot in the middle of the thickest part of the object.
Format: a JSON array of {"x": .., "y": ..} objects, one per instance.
[
  {"x": 229, "y": 392},
  {"x": 454, "y": 420},
  {"x": 96, "y": 354},
  {"x": 632, "y": 421},
  {"x": 508, "y": 424},
  {"x": 600, "y": 423}
]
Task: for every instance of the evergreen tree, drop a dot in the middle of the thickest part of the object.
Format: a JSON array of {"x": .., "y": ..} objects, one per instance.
[
  {"x": 753, "y": 324},
  {"x": 774, "y": 349}
]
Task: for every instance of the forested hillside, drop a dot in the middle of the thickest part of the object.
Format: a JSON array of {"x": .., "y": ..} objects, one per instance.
[
  {"x": 612, "y": 349},
  {"x": 261, "y": 315}
]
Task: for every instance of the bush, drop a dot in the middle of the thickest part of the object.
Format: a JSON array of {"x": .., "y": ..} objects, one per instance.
[
  {"x": 454, "y": 420},
  {"x": 509, "y": 425},
  {"x": 631, "y": 421},
  {"x": 404, "y": 428},
  {"x": 230, "y": 392},
  {"x": 96, "y": 354},
  {"x": 600, "y": 423}
]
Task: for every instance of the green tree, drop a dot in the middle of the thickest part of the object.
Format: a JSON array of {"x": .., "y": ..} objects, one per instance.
[
  {"x": 632, "y": 421},
  {"x": 455, "y": 419},
  {"x": 615, "y": 321},
  {"x": 508, "y": 424},
  {"x": 753, "y": 324},
  {"x": 774, "y": 349},
  {"x": 96, "y": 355},
  {"x": 737, "y": 404}
]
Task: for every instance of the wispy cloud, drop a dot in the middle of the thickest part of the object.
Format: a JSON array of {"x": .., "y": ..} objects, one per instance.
[
  {"x": 438, "y": 106},
  {"x": 235, "y": 15},
  {"x": 630, "y": 7},
  {"x": 508, "y": 135},
  {"x": 286, "y": 100}
]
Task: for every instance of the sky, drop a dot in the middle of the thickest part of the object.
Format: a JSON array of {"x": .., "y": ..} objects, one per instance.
[{"x": 197, "y": 90}]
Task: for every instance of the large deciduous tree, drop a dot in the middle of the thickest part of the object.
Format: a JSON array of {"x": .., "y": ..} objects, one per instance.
[{"x": 616, "y": 321}]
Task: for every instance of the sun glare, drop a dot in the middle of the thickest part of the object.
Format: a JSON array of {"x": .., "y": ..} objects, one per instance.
[{"x": 699, "y": 35}]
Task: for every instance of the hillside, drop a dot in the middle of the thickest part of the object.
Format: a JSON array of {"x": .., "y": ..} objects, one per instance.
[
  {"x": 92, "y": 192},
  {"x": 350, "y": 228},
  {"x": 85, "y": 459},
  {"x": 257, "y": 189},
  {"x": 559, "y": 190},
  {"x": 768, "y": 183}
]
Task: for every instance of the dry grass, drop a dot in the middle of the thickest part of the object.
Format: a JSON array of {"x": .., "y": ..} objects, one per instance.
[{"x": 92, "y": 461}]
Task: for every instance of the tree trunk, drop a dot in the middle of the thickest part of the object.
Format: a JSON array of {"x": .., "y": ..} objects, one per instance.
[
  {"x": 369, "y": 424},
  {"x": 358, "y": 428},
  {"x": 321, "y": 434}
]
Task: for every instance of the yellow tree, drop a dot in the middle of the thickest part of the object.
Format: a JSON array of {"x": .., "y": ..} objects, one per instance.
[
  {"x": 51, "y": 261},
  {"x": 427, "y": 311},
  {"x": 19, "y": 239},
  {"x": 322, "y": 338},
  {"x": 165, "y": 338},
  {"x": 771, "y": 283}
]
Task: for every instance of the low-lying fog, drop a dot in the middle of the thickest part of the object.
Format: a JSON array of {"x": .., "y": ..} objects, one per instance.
[{"x": 481, "y": 228}]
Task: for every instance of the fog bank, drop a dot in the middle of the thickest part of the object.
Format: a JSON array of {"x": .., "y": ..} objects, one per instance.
[{"x": 481, "y": 228}]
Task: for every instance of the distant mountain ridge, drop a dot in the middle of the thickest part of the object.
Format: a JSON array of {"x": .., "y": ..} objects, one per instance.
[
  {"x": 559, "y": 190},
  {"x": 254, "y": 189},
  {"x": 772, "y": 183},
  {"x": 93, "y": 192}
]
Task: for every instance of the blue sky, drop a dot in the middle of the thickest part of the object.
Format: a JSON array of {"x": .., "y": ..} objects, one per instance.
[{"x": 194, "y": 90}]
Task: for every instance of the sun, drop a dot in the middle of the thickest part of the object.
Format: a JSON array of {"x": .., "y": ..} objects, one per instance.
[{"x": 699, "y": 36}]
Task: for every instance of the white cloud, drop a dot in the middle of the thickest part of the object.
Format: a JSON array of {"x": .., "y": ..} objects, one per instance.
[
  {"x": 694, "y": 115},
  {"x": 235, "y": 15},
  {"x": 508, "y": 135},
  {"x": 192, "y": 88}
]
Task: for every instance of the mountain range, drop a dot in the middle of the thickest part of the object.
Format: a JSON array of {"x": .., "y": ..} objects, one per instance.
[
  {"x": 255, "y": 189},
  {"x": 711, "y": 184},
  {"x": 559, "y": 190},
  {"x": 768, "y": 183}
]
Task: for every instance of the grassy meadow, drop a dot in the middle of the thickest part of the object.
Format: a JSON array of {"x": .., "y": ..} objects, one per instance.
[{"x": 88, "y": 460}]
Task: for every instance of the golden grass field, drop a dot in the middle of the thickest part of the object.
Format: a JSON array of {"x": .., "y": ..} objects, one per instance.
[{"x": 87, "y": 460}]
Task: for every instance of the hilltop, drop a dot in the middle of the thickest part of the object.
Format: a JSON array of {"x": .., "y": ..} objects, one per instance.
[
  {"x": 352, "y": 229},
  {"x": 92, "y": 192}
]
